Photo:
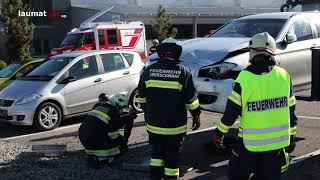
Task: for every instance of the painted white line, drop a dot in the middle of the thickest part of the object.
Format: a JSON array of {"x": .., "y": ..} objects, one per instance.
[
  {"x": 304, "y": 157},
  {"x": 47, "y": 132},
  {"x": 39, "y": 133},
  {"x": 308, "y": 117}
]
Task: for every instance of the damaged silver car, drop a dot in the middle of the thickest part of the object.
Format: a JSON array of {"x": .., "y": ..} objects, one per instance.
[{"x": 217, "y": 60}]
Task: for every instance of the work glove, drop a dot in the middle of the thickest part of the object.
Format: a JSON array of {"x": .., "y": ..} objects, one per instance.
[
  {"x": 195, "y": 123},
  {"x": 292, "y": 145},
  {"x": 216, "y": 141}
]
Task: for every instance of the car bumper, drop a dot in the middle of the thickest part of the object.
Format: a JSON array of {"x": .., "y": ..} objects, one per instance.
[
  {"x": 213, "y": 94},
  {"x": 20, "y": 114}
]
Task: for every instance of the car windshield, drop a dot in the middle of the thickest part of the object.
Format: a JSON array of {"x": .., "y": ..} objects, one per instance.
[
  {"x": 250, "y": 27},
  {"x": 78, "y": 39},
  {"x": 9, "y": 70},
  {"x": 49, "y": 69}
]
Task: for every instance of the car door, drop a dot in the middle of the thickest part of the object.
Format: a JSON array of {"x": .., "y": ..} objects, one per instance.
[
  {"x": 82, "y": 94},
  {"x": 295, "y": 56},
  {"x": 117, "y": 74}
]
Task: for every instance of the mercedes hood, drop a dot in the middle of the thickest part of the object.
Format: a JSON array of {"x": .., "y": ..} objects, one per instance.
[{"x": 20, "y": 88}]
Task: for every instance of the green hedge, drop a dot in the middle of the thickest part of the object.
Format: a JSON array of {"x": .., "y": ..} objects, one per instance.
[{"x": 3, "y": 64}]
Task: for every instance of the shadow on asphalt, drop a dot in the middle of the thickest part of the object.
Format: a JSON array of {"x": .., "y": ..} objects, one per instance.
[
  {"x": 307, "y": 169},
  {"x": 307, "y": 98},
  {"x": 207, "y": 163}
]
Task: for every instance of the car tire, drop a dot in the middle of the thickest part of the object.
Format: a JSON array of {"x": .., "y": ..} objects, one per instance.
[
  {"x": 133, "y": 102},
  {"x": 47, "y": 117}
]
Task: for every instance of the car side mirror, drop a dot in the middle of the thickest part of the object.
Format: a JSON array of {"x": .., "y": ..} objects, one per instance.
[
  {"x": 68, "y": 79},
  {"x": 18, "y": 75},
  {"x": 290, "y": 38}
]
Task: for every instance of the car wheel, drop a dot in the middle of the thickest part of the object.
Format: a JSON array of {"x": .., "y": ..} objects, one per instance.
[
  {"x": 134, "y": 102},
  {"x": 48, "y": 116}
]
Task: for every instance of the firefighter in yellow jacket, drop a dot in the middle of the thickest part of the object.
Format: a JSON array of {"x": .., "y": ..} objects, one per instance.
[{"x": 262, "y": 97}]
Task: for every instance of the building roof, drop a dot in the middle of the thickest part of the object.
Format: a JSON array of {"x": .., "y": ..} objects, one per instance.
[{"x": 182, "y": 11}]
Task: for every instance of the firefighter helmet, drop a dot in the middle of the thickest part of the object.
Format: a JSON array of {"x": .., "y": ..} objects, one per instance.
[
  {"x": 169, "y": 45},
  {"x": 120, "y": 99},
  {"x": 262, "y": 43},
  {"x": 103, "y": 98},
  {"x": 155, "y": 41}
]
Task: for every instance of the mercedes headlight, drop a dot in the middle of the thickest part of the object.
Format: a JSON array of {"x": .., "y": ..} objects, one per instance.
[
  {"x": 28, "y": 99},
  {"x": 217, "y": 71}
]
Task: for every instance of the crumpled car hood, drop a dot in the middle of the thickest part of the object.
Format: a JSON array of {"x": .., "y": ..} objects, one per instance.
[{"x": 207, "y": 51}]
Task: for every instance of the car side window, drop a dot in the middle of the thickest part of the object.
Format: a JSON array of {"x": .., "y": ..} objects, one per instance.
[
  {"x": 129, "y": 58},
  {"x": 84, "y": 68},
  {"x": 112, "y": 62},
  {"x": 317, "y": 24},
  {"x": 301, "y": 28}
]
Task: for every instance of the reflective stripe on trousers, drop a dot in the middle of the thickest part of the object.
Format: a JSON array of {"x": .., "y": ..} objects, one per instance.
[
  {"x": 114, "y": 135},
  {"x": 156, "y": 162},
  {"x": 171, "y": 172},
  {"x": 104, "y": 153},
  {"x": 142, "y": 100},
  {"x": 167, "y": 131},
  {"x": 285, "y": 167}
]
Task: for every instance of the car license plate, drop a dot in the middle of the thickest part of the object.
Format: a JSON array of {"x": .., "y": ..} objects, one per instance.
[{"x": 3, "y": 113}]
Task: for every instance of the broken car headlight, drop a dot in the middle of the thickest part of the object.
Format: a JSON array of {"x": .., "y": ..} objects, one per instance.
[{"x": 217, "y": 71}]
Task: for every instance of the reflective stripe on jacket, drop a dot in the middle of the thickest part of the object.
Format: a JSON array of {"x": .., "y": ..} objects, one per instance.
[{"x": 100, "y": 112}]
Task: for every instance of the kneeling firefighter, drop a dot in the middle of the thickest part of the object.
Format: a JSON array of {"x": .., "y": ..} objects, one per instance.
[
  {"x": 263, "y": 100},
  {"x": 99, "y": 132}
]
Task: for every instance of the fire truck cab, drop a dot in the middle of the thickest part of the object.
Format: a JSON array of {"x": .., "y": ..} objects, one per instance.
[{"x": 105, "y": 35}]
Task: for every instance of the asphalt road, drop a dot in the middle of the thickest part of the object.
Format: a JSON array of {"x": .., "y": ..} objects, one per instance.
[{"x": 207, "y": 164}]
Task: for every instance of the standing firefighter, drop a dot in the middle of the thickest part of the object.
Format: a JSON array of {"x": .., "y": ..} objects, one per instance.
[
  {"x": 262, "y": 98},
  {"x": 99, "y": 133},
  {"x": 166, "y": 91},
  {"x": 153, "y": 49}
]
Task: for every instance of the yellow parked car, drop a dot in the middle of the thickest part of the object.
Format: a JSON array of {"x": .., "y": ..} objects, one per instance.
[{"x": 16, "y": 70}]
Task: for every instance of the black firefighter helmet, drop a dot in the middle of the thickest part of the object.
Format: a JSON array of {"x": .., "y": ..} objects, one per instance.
[{"x": 169, "y": 46}]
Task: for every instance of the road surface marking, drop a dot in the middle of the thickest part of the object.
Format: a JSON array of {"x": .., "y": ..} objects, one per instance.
[
  {"x": 44, "y": 132},
  {"x": 39, "y": 133},
  {"x": 309, "y": 117},
  {"x": 304, "y": 157}
]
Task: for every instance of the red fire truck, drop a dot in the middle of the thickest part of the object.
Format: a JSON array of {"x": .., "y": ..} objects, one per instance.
[{"x": 105, "y": 35}]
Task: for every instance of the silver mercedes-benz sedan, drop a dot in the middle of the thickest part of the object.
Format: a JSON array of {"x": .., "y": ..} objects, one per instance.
[{"x": 68, "y": 85}]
